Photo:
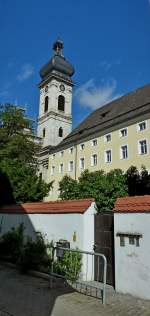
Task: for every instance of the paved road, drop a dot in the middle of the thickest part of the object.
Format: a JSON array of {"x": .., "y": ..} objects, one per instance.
[{"x": 22, "y": 295}]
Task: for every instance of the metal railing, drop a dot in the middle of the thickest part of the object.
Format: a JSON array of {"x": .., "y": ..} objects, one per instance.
[{"x": 90, "y": 263}]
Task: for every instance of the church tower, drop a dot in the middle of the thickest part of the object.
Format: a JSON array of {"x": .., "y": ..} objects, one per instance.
[{"x": 55, "y": 108}]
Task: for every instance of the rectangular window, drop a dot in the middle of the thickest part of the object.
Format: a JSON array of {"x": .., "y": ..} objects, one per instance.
[
  {"x": 52, "y": 170},
  {"x": 61, "y": 153},
  {"x": 142, "y": 126},
  {"x": 82, "y": 165},
  {"x": 131, "y": 240},
  {"x": 94, "y": 142},
  {"x": 94, "y": 160},
  {"x": 53, "y": 156},
  {"x": 108, "y": 156},
  {"x": 124, "y": 152},
  {"x": 123, "y": 132},
  {"x": 61, "y": 168},
  {"x": 142, "y": 147},
  {"x": 82, "y": 146},
  {"x": 107, "y": 138},
  {"x": 122, "y": 241},
  {"x": 70, "y": 166},
  {"x": 70, "y": 150}
]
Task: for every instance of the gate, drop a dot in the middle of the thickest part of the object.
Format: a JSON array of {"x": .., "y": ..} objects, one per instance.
[{"x": 104, "y": 243}]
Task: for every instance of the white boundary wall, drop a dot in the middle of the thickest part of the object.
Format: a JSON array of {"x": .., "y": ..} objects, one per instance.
[
  {"x": 57, "y": 226},
  {"x": 132, "y": 264}
]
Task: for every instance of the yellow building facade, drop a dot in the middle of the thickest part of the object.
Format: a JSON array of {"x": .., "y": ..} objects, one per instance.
[
  {"x": 116, "y": 135},
  {"x": 120, "y": 148}
]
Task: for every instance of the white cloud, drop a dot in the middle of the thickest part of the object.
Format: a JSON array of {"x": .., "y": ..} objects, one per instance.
[
  {"x": 26, "y": 72},
  {"x": 94, "y": 96}
]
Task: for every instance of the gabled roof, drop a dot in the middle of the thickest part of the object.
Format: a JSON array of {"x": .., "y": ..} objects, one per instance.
[
  {"x": 124, "y": 110},
  {"x": 57, "y": 207},
  {"x": 137, "y": 204}
]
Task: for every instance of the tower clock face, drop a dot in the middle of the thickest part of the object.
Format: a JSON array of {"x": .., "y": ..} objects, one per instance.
[{"x": 62, "y": 87}]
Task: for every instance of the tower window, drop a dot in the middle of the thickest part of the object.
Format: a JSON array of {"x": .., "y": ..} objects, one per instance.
[
  {"x": 60, "y": 133},
  {"x": 61, "y": 103},
  {"x": 46, "y": 104},
  {"x": 43, "y": 132}
]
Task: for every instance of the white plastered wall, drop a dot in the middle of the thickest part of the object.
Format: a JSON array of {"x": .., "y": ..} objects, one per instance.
[
  {"x": 132, "y": 263},
  {"x": 57, "y": 226}
]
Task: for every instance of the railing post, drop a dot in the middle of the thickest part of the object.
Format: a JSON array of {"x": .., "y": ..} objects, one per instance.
[
  {"x": 86, "y": 253},
  {"x": 104, "y": 280}
]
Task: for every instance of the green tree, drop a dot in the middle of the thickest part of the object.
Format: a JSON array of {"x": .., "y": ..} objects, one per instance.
[
  {"x": 138, "y": 182},
  {"x": 68, "y": 189},
  {"x": 104, "y": 188},
  {"x": 18, "y": 158}
]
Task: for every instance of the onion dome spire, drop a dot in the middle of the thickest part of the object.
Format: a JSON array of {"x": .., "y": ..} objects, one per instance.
[{"x": 58, "y": 63}]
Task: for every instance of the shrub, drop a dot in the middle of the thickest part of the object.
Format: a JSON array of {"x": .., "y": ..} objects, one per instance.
[
  {"x": 69, "y": 266},
  {"x": 11, "y": 243},
  {"x": 34, "y": 255}
]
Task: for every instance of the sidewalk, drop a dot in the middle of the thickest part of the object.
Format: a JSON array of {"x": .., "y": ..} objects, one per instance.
[{"x": 22, "y": 295}]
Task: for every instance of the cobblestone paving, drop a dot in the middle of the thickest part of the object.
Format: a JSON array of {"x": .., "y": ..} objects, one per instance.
[{"x": 22, "y": 295}]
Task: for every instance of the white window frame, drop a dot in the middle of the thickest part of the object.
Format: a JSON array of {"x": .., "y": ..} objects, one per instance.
[
  {"x": 106, "y": 136},
  {"x": 139, "y": 124},
  {"x": 70, "y": 163},
  {"x": 61, "y": 168},
  {"x": 52, "y": 170},
  {"x": 139, "y": 146},
  {"x": 71, "y": 150},
  {"x": 82, "y": 146},
  {"x": 94, "y": 142},
  {"x": 121, "y": 130},
  {"x": 81, "y": 168},
  {"x": 121, "y": 152},
  {"x": 93, "y": 160},
  {"x": 106, "y": 151},
  {"x": 61, "y": 153}
]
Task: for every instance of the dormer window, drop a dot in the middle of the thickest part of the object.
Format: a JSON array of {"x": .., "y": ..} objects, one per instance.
[
  {"x": 60, "y": 132},
  {"x": 61, "y": 103},
  {"x": 46, "y": 104}
]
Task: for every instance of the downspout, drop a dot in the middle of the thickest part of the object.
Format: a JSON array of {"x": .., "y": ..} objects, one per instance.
[{"x": 75, "y": 168}]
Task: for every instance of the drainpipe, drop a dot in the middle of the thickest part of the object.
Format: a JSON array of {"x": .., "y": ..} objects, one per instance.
[{"x": 75, "y": 167}]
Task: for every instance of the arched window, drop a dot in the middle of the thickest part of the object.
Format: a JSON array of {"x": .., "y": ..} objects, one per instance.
[
  {"x": 46, "y": 104},
  {"x": 61, "y": 103},
  {"x": 60, "y": 133}
]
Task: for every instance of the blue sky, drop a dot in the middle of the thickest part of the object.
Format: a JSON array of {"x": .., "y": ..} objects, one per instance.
[{"x": 108, "y": 42}]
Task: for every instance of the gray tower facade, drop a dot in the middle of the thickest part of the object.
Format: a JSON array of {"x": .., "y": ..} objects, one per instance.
[{"x": 55, "y": 107}]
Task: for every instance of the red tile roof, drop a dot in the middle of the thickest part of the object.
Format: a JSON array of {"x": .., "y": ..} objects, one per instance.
[
  {"x": 57, "y": 207},
  {"x": 133, "y": 204}
]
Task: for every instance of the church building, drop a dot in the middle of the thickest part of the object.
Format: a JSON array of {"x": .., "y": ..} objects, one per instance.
[{"x": 116, "y": 135}]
